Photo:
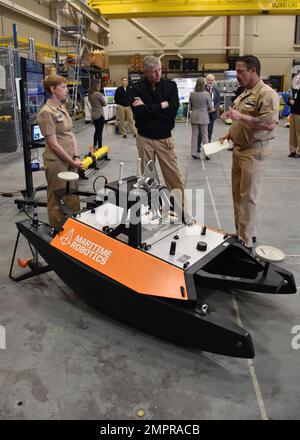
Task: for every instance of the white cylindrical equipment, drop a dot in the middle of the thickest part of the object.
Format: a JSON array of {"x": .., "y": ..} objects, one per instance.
[
  {"x": 138, "y": 168},
  {"x": 121, "y": 170}
]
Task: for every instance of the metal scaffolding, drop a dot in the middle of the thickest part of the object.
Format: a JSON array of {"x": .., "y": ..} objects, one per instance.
[{"x": 10, "y": 134}]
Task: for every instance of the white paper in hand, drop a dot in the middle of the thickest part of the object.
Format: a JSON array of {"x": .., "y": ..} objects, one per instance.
[{"x": 214, "y": 147}]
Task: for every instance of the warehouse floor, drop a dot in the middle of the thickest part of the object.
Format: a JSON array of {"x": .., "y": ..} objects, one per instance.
[{"x": 64, "y": 360}]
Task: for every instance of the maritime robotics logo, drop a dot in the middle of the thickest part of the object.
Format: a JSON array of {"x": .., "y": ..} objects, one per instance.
[{"x": 67, "y": 239}]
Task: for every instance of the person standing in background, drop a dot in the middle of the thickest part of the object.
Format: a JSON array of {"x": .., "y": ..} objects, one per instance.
[
  {"x": 201, "y": 105},
  {"x": 122, "y": 99},
  {"x": 294, "y": 102},
  {"x": 215, "y": 99},
  {"x": 97, "y": 102}
]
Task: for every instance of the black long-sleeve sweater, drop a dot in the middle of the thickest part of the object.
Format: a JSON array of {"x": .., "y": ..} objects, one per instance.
[
  {"x": 122, "y": 96},
  {"x": 151, "y": 120}
]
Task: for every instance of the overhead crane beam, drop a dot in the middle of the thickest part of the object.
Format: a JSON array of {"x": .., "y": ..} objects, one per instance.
[
  {"x": 195, "y": 31},
  {"x": 146, "y": 31},
  {"x": 168, "y": 8}
]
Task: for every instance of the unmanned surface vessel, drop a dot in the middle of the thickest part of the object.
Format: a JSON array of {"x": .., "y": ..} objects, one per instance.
[{"x": 122, "y": 256}]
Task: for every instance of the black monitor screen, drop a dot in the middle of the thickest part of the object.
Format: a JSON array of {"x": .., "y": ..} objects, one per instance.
[
  {"x": 190, "y": 64},
  {"x": 174, "y": 64},
  {"x": 32, "y": 76}
]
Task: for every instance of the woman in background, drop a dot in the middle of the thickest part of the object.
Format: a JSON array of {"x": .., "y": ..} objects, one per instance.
[
  {"x": 201, "y": 105},
  {"x": 97, "y": 102},
  {"x": 61, "y": 151}
]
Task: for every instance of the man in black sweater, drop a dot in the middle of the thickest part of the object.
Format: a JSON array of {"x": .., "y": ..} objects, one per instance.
[
  {"x": 155, "y": 103},
  {"x": 123, "y": 108}
]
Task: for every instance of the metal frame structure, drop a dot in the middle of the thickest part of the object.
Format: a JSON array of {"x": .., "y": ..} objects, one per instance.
[{"x": 11, "y": 56}]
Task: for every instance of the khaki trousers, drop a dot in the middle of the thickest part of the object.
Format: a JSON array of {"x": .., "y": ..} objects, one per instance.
[
  {"x": 52, "y": 168},
  {"x": 295, "y": 134},
  {"x": 125, "y": 114},
  {"x": 247, "y": 169},
  {"x": 148, "y": 149}
]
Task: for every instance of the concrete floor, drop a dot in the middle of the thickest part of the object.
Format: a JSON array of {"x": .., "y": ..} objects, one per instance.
[{"x": 64, "y": 360}]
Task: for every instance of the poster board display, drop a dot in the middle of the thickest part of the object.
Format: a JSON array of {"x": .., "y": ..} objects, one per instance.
[
  {"x": 109, "y": 93},
  {"x": 185, "y": 87}
]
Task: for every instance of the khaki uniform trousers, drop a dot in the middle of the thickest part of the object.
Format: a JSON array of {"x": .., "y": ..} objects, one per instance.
[
  {"x": 148, "y": 149},
  {"x": 247, "y": 169},
  {"x": 125, "y": 114},
  {"x": 295, "y": 134},
  {"x": 52, "y": 168}
]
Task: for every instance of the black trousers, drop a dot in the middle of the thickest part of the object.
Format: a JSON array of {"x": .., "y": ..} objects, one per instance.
[
  {"x": 210, "y": 130},
  {"x": 99, "y": 124}
]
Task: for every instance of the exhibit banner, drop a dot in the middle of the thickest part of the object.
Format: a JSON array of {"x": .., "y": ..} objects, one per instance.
[
  {"x": 109, "y": 93},
  {"x": 185, "y": 87}
]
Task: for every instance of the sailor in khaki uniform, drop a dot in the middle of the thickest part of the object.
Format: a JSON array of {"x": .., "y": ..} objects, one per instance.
[
  {"x": 61, "y": 151},
  {"x": 254, "y": 118}
]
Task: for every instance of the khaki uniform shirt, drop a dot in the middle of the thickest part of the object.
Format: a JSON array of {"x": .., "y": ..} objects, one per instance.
[
  {"x": 56, "y": 120},
  {"x": 259, "y": 101}
]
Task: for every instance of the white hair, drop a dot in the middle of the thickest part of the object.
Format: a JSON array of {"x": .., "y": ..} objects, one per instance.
[
  {"x": 151, "y": 61},
  {"x": 210, "y": 76}
]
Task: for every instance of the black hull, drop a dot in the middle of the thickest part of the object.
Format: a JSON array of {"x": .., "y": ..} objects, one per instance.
[{"x": 175, "y": 321}]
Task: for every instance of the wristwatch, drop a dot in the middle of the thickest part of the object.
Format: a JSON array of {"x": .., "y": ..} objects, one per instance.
[{"x": 76, "y": 157}]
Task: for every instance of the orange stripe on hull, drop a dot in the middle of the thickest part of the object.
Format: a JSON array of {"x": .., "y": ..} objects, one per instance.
[{"x": 131, "y": 267}]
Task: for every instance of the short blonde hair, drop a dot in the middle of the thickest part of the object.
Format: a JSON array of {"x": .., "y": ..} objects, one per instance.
[
  {"x": 200, "y": 85},
  {"x": 53, "y": 81}
]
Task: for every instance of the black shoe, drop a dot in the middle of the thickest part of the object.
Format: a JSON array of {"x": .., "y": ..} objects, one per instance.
[
  {"x": 297, "y": 156},
  {"x": 292, "y": 155},
  {"x": 194, "y": 157},
  {"x": 230, "y": 149},
  {"x": 207, "y": 158},
  {"x": 124, "y": 136}
]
